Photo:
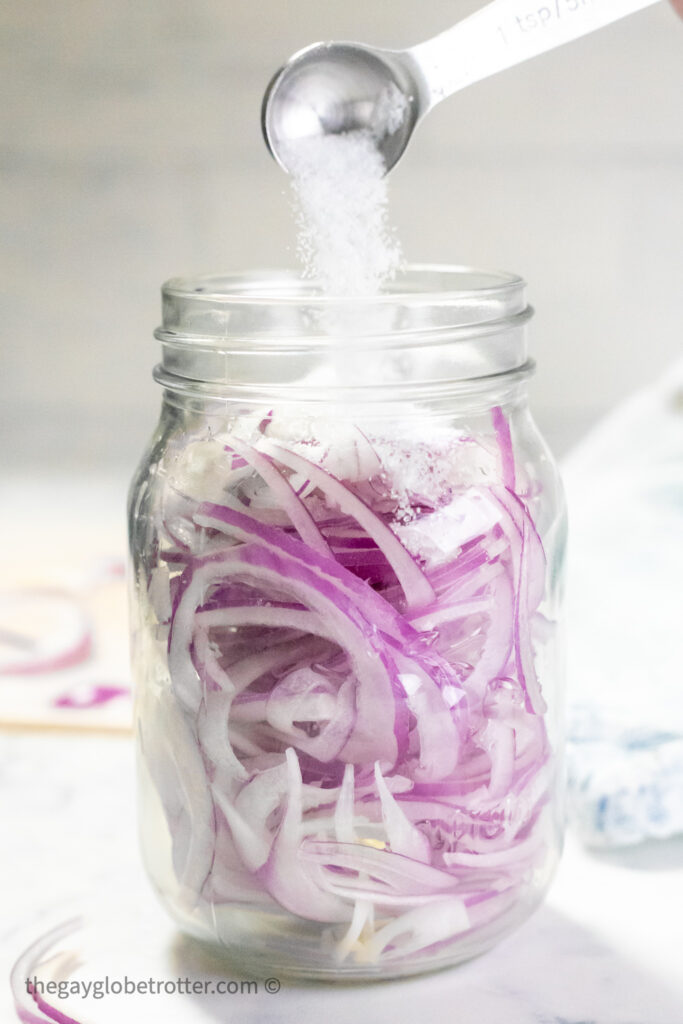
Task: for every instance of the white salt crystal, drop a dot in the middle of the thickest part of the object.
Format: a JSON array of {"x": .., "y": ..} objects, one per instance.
[
  {"x": 390, "y": 111},
  {"x": 340, "y": 193}
]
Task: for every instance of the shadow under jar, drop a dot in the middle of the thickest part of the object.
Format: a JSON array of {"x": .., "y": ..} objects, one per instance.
[{"x": 347, "y": 539}]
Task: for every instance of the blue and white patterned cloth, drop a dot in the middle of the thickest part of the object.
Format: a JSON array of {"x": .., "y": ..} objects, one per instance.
[{"x": 625, "y": 613}]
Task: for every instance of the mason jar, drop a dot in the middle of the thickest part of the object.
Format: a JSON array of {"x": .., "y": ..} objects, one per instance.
[{"x": 347, "y": 541}]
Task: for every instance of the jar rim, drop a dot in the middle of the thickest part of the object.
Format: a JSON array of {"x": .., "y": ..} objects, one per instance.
[
  {"x": 416, "y": 283},
  {"x": 433, "y": 322}
]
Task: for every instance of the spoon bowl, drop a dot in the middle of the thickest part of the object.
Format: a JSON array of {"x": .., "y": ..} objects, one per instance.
[{"x": 330, "y": 88}]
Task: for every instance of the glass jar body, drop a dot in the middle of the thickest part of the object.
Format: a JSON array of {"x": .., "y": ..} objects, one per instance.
[{"x": 347, "y": 653}]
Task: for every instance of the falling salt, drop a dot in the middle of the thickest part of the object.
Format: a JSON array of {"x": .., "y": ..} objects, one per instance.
[{"x": 340, "y": 190}]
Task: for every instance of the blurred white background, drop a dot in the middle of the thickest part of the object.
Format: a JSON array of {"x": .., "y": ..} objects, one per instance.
[{"x": 131, "y": 151}]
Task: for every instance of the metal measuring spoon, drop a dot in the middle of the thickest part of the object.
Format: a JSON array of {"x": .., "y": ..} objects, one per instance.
[{"x": 331, "y": 88}]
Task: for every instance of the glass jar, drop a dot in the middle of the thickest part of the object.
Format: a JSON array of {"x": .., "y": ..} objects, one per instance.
[{"x": 347, "y": 539}]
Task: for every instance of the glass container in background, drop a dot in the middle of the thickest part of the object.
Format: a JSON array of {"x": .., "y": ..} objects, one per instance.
[{"x": 347, "y": 540}]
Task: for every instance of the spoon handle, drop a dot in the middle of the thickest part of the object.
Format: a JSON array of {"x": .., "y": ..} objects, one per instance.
[{"x": 504, "y": 33}]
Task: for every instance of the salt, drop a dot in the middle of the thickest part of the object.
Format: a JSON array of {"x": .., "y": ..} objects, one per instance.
[{"x": 340, "y": 191}]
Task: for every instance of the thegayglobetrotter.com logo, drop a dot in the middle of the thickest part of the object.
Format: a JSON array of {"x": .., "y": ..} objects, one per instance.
[{"x": 100, "y": 988}]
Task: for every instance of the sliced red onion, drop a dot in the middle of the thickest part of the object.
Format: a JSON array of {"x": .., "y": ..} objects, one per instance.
[
  {"x": 403, "y": 836},
  {"x": 450, "y": 613},
  {"x": 343, "y": 624},
  {"x": 250, "y": 840},
  {"x": 362, "y": 919},
  {"x": 505, "y": 858},
  {"x": 30, "y": 1005},
  {"x": 230, "y": 881},
  {"x": 90, "y": 696},
  {"x": 419, "y": 929},
  {"x": 343, "y": 814},
  {"x": 42, "y": 630},
  {"x": 517, "y": 513},
  {"x": 365, "y": 715},
  {"x": 371, "y": 603},
  {"x": 523, "y": 644},
  {"x": 418, "y": 591},
  {"x": 213, "y": 733},
  {"x": 175, "y": 764},
  {"x": 244, "y": 672},
  {"x": 398, "y": 874},
  {"x": 499, "y": 740},
  {"x": 286, "y": 877},
  {"x": 306, "y": 708},
  {"x": 507, "y": 457},
  {"x": 283, "y": 492},
  {"x": 439, "y": 741}
]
